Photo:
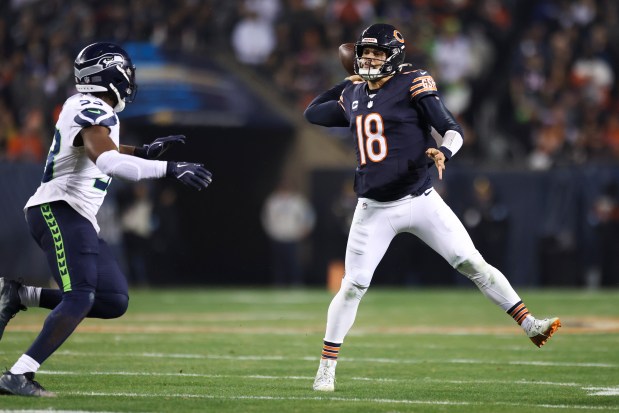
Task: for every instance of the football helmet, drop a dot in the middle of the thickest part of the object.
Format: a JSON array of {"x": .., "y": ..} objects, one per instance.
[
  {"x": 384, "y": 37},
  {"x": 106, "y": 67}
]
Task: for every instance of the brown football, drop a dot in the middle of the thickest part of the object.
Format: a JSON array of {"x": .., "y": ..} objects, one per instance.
[{"x": 347, "y": 57}]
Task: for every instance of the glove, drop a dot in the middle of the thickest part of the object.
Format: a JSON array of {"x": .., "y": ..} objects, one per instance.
[
  {"x": 191, "y": 174},
  {"x": 157, "y": 147}
]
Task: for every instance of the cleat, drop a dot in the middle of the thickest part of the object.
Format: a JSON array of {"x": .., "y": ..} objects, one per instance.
[
  {"x": 22, "y": 385},
  {"x": 541, "y": 330},
  {"x": 325, "y": 377},
  {"x": 10, "y": 303}
]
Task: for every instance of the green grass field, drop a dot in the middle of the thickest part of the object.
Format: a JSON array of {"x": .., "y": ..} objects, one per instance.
[{"x": 228, "y": 350}]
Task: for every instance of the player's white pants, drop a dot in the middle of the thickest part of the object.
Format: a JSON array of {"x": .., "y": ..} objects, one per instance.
[{"x": 429, "y": 218}]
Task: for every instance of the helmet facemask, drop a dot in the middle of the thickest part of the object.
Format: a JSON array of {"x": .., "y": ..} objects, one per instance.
[
  {"x": 128, "y": 94},
  {"x": 372, "y": 73}
]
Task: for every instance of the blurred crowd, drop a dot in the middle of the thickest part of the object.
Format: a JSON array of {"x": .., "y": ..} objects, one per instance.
[{"x": 532, "y": 81}]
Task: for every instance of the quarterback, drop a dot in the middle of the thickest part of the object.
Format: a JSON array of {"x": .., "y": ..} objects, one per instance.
[
  {"x": 401, "y": 129},
  {"x": 84, "y": 157}
]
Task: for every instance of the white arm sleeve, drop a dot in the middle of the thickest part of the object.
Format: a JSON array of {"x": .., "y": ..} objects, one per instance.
[
  {"x": 452, "y": 140},
  {"x": 131, "y": 168}
]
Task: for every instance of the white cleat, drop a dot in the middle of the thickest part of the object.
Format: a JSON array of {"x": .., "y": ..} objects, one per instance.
[
  {"x": 325, "y": 377},
  {"x": 539, "y": 331}
]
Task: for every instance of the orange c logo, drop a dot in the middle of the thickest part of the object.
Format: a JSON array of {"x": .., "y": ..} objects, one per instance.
[{"x": 398, "y": 36}]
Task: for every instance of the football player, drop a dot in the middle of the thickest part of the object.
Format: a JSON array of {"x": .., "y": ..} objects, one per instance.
[
  {"x": 84, "y": 157},
  {"x": 401, "y": 128}
]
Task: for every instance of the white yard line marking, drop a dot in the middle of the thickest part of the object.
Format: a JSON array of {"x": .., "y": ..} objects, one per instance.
[
  {"x": 602, "y": 391},
  {"x": 340, "y": 399},
  {"x": 346, "y": 359},
  {"x": 266, "y": 377},
  {"x": 591, "y": 391}
]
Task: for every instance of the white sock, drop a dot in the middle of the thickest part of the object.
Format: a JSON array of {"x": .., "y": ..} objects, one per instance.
[
  {"x": 343, "y": 310},
  {"x": 25, "y": 364},
  {"x": 526, "y": 323},
  {"x": 30, "y": 296}
]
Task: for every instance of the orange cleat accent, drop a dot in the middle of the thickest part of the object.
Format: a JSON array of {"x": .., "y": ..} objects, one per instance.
[{"x": 542, "y": 330}]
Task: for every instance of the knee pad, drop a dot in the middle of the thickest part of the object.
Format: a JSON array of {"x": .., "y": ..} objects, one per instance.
[
  {"x": 109, "y": 305},
  {"x": 117, "y": 305},
  {"x": 474, "y": 267},
  {"x": 80, "y": 302},
  {"x": 351, "y": 290}
]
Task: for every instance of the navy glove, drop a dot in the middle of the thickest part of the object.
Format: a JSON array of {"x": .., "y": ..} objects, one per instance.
[
  {"x": 157, "y": 147},
  {"x": 191, "y": 174}
]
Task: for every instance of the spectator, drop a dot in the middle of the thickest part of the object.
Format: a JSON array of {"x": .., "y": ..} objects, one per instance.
[
  {"x": 136, "y": 223},
  {"x": 287, "y": 218}
]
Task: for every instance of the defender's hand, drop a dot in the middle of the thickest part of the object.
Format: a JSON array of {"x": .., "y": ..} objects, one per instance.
[
  {"x": 191, "y": 174},
  {"x": 439, "y": 160},
  {"x": 157, "y": 147}
]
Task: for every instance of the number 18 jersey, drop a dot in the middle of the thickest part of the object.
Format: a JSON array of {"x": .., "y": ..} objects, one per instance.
[
  {"x": 391, "y": 135},
  {"x": 69, "y": 174}
]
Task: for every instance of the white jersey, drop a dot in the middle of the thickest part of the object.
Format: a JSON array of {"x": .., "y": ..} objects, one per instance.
[{"x": 69, "y": 174}]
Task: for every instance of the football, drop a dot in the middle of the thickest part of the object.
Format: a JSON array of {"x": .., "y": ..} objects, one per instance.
[{"x": 347, "y": 57}]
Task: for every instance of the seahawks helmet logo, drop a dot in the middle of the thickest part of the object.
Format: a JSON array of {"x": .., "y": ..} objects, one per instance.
[{"x": 108, "y": 61}]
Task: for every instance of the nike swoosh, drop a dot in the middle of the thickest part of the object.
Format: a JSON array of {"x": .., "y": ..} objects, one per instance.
[
  {"x": 427, "y": 192},
  {"x": 98, "y": 112}
]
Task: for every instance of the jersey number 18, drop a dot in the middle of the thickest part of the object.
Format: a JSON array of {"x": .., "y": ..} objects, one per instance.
[{"x": 370, "y": 138}]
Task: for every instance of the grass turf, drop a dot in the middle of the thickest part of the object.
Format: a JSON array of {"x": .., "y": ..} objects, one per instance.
[{"x": 256, "y": 350}]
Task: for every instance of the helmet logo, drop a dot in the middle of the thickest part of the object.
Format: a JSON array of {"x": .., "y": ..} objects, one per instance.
[
  {"x": 114, "y": 60},
  {"x": 398, "y": 36}
]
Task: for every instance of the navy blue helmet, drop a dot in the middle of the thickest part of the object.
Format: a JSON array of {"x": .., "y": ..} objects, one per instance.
[
  {"x": 106, "y": 67},
  {"x": 384, "y": 37}
]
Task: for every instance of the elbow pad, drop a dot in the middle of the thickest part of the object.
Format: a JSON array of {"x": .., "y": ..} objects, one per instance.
[{"x": 130, "y": 168}]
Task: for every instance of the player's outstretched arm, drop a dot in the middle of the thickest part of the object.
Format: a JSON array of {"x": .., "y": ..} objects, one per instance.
[{"x": 103, "y": 152}]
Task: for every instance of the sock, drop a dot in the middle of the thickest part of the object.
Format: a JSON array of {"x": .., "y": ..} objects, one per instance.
[
  {"x": 30, "y": 296},
  {"x": 330, "y": 350},
  {"x": 520, "y": 313},
  {"x": 25, "y": 364}
]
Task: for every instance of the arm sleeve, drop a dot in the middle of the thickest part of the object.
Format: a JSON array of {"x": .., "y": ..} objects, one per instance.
[
  {"x": 445, "y": 129},
  {"x": 325, "y": 109},
  {"x": 130, "y": 168}
]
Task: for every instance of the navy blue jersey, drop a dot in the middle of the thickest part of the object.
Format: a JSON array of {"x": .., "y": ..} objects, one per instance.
[{"x": 392, "y": 131}]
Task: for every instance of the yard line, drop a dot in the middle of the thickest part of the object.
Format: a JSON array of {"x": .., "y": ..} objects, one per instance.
[
  {"x": 602, "y": 391},
  {"x": 346, "y": 359},
  {"x": 266, "y": 377},
  {"x": 343, "y": 399}
]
